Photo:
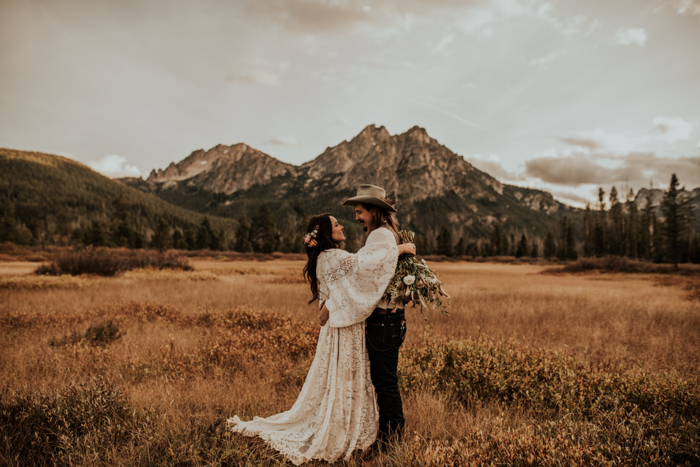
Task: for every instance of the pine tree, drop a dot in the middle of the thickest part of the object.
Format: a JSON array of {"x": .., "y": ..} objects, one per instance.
[
  {"x": 695, "y": 250},
  {"x": 444, "y": 241},
  {"x": 522, "y": 247},
  {"x": 600, "y": 227},
  {"x": 646, "y": 222},
  {"x": 95, "y": 236},
  {"x": 8, "y": 223},
  {"x": 243, "y": 244},
  {"x": 461, "y": 247},
  {"x": 263, "y": 231},
  {"x": 550, "y": 248},
  {"x": 588, "y": 227},
  {"x": 419, "y": 241},
  {"x": 178, "y": 240},
  {"x": 676, "y": 209},
  {"x": 218, "y": 239},
  {"x": 161, "y": 237},
  {"x": 570, "y": 241},
  {"x": 632, "y": 227},
  {"x": 204, "y": 235},
  {"x": 563, "y": 227},
  {"x": 496, "y": 242},
  {"x": 615, "y": 236},
  {"x": 657, "y": 240},
  {"x": 190, "y": 238},
  {"x": 534, "y": 249},
  {"x": 122, "y": 233},
  {"x": 505, "y": 246}
]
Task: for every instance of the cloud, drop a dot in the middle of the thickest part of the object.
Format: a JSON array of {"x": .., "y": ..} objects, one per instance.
[
  {"x": 114, "y": 165},
  {"x": 688, "y": 7},
  {"x": 442, "y": 45},
  {"x": 259, "y": 72},
  {"x": 543, "y": 60},
  {"x": 597, "y": 139},
  {"x": 342, "y": 121},
  {"x": 588, "y": 143},
  {"x": 311, "y": 15},
  {"x": 672, "y": 129},
  {"x": 569, "y": 196},
  {"x": 664, "y": 130},
  {"x": 635, "y": 168},
  {"x": 570, "y": 26},
  {"x": 631, "y": 36},
  {"x": 290, "y": 141},
  {"x": 491, "y": 164},
  {"x": 476, "y": 21}
]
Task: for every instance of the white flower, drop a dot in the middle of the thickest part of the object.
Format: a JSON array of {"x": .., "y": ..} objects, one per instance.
[{"x": 408, "y": 280}]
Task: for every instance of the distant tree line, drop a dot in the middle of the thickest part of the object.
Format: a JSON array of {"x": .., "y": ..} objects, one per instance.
[
  {"x": 613, "y": 226},
  {"x": 120, "y": 229}
]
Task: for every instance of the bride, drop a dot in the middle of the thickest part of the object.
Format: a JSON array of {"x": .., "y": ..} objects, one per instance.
[{"x": 336, "y": 411}]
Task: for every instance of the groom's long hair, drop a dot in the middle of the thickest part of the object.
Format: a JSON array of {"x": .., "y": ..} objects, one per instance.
[
  {"x": 381, "y": 218},
  {"x": 324, "y": 241}
]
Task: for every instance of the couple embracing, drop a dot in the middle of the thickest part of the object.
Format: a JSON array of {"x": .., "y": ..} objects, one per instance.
[{"x": 350, "y": 397}]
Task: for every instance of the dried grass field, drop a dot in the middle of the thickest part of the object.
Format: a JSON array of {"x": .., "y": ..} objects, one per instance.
[{"x": 528, "y": 368}]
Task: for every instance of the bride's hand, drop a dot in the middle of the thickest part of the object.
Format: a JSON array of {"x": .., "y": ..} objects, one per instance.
[
  {"x": 323, "y": 315},
  {"x": 407, "y": 249}
]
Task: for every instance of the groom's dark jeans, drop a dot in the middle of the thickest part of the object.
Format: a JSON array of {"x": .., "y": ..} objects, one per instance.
[{"x": 384, "y": 335}]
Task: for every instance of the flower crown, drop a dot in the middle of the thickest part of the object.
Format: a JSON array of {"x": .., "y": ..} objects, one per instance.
[{"x": 310, "y": 238}]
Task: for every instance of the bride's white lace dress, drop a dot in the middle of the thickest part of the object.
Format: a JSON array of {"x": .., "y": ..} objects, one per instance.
[{"x": 336, "y": 410}]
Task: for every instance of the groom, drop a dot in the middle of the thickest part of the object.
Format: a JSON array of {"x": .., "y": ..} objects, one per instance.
[{"x": 385, "y": 329}]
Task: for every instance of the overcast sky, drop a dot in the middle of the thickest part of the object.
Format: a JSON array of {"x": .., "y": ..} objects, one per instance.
[{"x": 560, "y": 95}]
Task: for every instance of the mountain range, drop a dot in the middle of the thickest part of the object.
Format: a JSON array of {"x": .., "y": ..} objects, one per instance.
[{"x": 432, "y": 186}]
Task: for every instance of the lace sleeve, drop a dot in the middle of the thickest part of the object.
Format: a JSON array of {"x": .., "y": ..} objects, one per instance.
[{"x": 357, "y": 282}]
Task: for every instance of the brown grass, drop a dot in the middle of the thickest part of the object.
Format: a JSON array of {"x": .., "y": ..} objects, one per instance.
[{"x": 182, "y": 360}]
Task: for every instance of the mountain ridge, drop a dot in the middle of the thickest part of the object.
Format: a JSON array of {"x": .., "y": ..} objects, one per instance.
[
  {"x": 53, "y": 195},
  {"x": 432, "y": 185}
]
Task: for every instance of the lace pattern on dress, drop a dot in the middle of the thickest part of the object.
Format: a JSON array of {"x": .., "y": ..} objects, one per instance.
[{"x": 335, "y": 412}]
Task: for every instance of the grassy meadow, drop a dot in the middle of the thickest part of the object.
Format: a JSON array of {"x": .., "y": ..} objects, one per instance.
[{"x": 531, "y": 367}]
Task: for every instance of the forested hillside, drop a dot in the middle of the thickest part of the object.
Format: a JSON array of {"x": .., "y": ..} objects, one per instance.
[{"x": 49, "y": 199}]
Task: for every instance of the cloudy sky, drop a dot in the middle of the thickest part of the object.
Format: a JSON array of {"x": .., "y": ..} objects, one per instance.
[{"x": 560, "y": 95}]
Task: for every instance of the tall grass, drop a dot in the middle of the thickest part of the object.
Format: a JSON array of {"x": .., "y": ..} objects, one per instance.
[{"x": 528, "y": 369}]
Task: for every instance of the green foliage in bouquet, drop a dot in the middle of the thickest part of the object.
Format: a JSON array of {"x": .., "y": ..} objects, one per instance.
[{"x": 414, "y": 283}]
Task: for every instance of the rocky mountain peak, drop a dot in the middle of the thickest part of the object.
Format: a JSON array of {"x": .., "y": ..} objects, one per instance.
[
  {"x": 223, "y": 169},
  {"x": 418, "y": 134},
  {"x": 374, "y": 133}
]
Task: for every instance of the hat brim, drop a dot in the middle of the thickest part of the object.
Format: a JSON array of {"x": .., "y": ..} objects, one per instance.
[{"x": 369, "y": 200}]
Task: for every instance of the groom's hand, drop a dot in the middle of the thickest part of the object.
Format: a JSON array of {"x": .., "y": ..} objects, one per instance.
[
  {"x": 407, "y": 249},
  {"x": 323, "y": 315}
]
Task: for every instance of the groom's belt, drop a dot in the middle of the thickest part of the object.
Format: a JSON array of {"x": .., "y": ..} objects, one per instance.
[{"x": 388, "y": 313}]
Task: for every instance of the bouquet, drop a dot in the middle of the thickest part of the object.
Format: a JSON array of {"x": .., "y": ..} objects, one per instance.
[{"x": 414, "y": 282}]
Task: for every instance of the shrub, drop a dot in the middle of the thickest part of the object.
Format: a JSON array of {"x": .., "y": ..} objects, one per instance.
[
  {"x": 617, "y": 416},
  {"x": 614, "y": 264},
  {"x": 100, "y": 334},
  {"x": 106, "y": 262},
  {"x": 42, "y": 428}
]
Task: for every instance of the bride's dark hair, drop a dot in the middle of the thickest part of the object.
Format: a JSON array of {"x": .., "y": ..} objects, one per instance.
[{"x": 324, "y": 241}]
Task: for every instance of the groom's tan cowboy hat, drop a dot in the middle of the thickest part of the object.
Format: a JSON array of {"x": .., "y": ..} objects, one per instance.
[{"x": 370, "y": 194}]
